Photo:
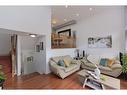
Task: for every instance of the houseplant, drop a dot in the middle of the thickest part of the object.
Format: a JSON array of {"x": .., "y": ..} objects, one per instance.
[
  {"x": 2, "y": 77},
  {"x": 124, "y": 66}
]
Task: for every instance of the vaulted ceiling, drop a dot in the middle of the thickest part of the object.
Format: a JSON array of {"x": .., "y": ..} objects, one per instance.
[{"x": 62, "y": 14}]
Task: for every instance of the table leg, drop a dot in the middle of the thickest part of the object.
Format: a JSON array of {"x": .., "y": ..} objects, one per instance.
[{"x": 84, "y": 82}]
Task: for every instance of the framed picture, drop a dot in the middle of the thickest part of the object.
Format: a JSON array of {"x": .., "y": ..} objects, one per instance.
[
  {"x": 63, "y": 39},
  {"x": 41, "y": 46},
  {"x": 100, "y": 42},
  {"x": 30, "y": 59},
  {"x": 66, "y": 32}
]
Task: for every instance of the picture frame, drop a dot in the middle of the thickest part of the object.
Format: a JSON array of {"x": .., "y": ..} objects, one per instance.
[
  {"x": 100, "y": 42},
  {"x": 63, "y": 39},
  {"x": 66, "y": 32},
  {"x": 41, "y": 46}
]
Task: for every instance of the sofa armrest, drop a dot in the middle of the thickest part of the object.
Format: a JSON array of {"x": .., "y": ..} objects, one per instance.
[
  {"x": 53, "y": 64},
  {"x": 117, "y": 62},
  {"x": 84, "y": 61},
  {"x": 76, "y": 61},
  {"x": 55, "y": 68},
  {"x": 58, "y": 67},
  {"x": 116, "y": 66}
]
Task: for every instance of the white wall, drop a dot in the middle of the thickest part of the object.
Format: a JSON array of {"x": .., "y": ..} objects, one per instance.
[
  {"x": 125, "y": 40},
  {"x": 40, "y": 57},
  {"x": 5, "y": 44},
  {"x": 109, "y": 22},
  {"x": 34, "y": 19},
  {"x": 28, "y": 43},
  {"x": 125, "y": 29},
  {"x": 19, "y": 59},
  {"x": 28, "y": 48},
  {"x": 38, "y": 20}
]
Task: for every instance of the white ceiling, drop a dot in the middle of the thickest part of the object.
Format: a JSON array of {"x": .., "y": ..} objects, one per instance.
[
  {"x": 62, "y": 13},
  {"x": 11, "y": 32},
  {"x": 8, "y": 31}
]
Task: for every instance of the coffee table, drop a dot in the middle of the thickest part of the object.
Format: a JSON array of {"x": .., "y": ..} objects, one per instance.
[{"x": 107, "y": 81}]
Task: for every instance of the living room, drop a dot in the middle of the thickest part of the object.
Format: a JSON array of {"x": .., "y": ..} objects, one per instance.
[{"x": 91, "y": 21}]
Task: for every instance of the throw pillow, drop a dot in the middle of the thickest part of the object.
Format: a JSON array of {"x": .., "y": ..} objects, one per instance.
[
  {"x": 61, "y": 63},
  {"x": 110, "y": 62},
  {"x": 67, "y": 62},
  {"x": 103, "y": 61}
]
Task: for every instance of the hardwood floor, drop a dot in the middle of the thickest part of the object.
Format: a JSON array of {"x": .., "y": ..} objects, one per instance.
[{"x": 50, "y": 81}]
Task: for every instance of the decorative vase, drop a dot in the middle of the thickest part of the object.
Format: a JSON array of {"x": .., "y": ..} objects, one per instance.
[
  {"x": 83, "y": 53},
  {"x": 97, "y": 73},
  {"x": 77, "y": 50}
]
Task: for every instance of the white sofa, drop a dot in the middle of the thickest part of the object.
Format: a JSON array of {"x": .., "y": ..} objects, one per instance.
[
  {"x": 63, "y": 72},
  {"x": 93, "y": 60}
]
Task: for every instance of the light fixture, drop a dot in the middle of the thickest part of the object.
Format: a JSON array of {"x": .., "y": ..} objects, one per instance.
[
  {"x": 33, "y": 35},
  {"x": 90, "y": 9}
]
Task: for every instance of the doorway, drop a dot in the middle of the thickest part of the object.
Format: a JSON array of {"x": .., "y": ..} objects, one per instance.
[
  {"x": 5, "y": 54},
  {"x": 33, "y": 55}
]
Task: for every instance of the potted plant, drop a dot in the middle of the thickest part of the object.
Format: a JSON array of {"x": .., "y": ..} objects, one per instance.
[
  {"x": 2, "y": 77},
  {"x": 124, "y": 66}
]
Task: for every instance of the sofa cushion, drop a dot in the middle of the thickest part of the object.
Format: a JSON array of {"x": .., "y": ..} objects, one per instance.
[
  {"x": 56, "y": 59},
  {"x": 110, "y": 62},
  {"x": 117, "y": 62},
  {"x": 103, "y": 61},
  {"x": 61, "y": 63},
  {"x": 104, "y": 68},
  {"x": 94, "y": 59},
  {"x": 116, "y": 66},
  {"x": 67, "y": 60},
  {"x": 75, "y": 61},
  {"x": 70, "y": 68},
  {"x": 89, "y": 64}
]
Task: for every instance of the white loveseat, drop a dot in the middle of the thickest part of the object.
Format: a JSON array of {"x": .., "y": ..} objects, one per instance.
[
  {"x": 63, "y": 72},
  {"x": 93, "y": 60}
]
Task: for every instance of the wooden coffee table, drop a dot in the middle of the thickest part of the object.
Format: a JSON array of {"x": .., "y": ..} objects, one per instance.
[{"x": 107, "y": 81}]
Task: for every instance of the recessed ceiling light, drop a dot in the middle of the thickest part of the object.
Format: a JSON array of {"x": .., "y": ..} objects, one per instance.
[
  {"x": 77, "y": 14},
  {"x": 90, "y": 9},
  {"x": 65, "y": 19},
  {"x": 33, "y": 35}
]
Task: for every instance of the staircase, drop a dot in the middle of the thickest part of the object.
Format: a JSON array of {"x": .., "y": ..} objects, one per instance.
[{"x": 5, "y": 62}]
